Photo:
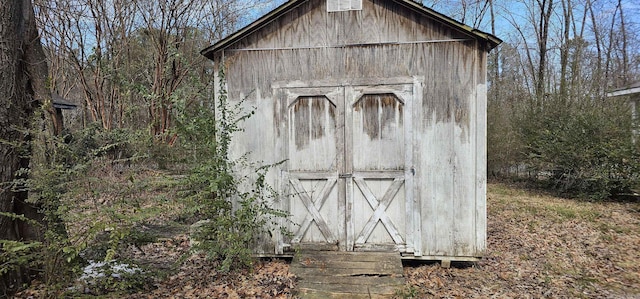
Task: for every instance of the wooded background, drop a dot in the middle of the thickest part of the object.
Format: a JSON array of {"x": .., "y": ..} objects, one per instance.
[
  {"x": 135, "y": 64},
  {"x": 132, "y": 63}
]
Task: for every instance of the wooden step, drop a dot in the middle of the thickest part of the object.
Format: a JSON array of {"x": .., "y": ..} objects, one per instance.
[{"x": 332, "y": 274}]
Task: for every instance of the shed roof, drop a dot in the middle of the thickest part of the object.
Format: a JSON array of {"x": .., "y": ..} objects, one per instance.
[
  {"x": 492, "y": 40},
  {"x": 631, "y": 89},
  {"x": 61, "y": 103}
]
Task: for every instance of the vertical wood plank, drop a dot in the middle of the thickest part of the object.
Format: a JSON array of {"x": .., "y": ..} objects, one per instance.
[
  {"x": 463, "y": 200},
  {"x": 349, "y": 97},
  {"x": 430, "y": 188},
  {"x": 281, "y": 201},
  {"x": 481, "y": 153},
  {"x": 281, "y": 103},
  {"x": 409, "y": 170},
  {"x": 414, "y": 231},
  {"x": 437, "y": 153},
  {"x": 343, "y": 208}
]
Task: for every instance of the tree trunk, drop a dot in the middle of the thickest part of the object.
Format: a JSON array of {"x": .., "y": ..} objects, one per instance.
[
  {"x": 546, "y": 8},
  {"x": 567, "y": 14},
  {"x": 625, "y": 54},
  {"x": 597, "y": 76},
  {"x": 23, "y": 72}
]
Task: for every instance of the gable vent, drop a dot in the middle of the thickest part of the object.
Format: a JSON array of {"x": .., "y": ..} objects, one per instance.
[{"x": 343, "y": 5}]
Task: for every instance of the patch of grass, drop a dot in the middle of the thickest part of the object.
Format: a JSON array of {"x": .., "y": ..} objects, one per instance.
[
  {"x": 564, "y": 212},
  {"x": 587, "y": 280},
  {"x": 547, "y": 206},
  {"x": 524, "y": 257},
  {"x": 533, "y": 210},
  {"x": 607, "y": 228},
  {"x": 532, "y": 226},
  {"x": 502, "y": 190},
  {"x": 407, "y": 292},
  {"x": 591, "y": 215}
]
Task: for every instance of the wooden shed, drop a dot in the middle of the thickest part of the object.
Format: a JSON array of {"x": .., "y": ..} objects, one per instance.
[{"x": 379, "y": 109}]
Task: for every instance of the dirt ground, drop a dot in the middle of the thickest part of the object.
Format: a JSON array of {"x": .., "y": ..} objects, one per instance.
[{"x": 539, "y": 246}]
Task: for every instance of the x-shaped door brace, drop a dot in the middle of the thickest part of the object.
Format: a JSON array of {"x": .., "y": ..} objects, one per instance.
[
  {"x": 380, "y": 208},
  {"x": 314, "y": 210}
]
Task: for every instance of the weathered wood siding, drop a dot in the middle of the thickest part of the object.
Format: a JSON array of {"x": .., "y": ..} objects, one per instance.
[{"x": 308, "y": 48}]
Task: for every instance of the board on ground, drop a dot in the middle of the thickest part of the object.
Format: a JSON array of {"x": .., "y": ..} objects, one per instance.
[{"x": 331, "y": 274}]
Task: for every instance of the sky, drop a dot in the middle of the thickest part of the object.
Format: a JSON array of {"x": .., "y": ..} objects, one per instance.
[{"x": 509, "y": 13}]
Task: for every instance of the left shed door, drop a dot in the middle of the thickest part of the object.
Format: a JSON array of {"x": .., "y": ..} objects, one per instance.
[{"x": 315, "y": 151}]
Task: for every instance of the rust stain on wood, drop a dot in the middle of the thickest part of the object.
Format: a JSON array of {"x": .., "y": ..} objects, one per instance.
[
  {"x": 279, "y": 112},
  {"x": 379, "y": 111},
  {"x": 311, "y": 116}
]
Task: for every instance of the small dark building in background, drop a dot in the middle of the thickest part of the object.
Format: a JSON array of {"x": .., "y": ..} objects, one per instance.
[{"x": 59, "y": 104}]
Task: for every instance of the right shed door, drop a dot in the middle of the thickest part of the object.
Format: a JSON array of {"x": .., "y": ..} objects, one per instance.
[{"x": 379, "y": 162}]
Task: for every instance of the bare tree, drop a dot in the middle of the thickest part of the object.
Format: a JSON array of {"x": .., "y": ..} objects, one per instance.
[
  {"x": 472, "y": 12},
  {"x": 544, "y": 9},
  {"x": 624, "y": 47},
  {"x": 130, "y": 61}
]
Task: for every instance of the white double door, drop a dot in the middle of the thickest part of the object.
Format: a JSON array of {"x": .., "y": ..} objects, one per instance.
[{"x": 348, "y": 175}]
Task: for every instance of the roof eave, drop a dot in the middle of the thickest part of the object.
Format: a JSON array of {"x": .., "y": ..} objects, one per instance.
[
  {"x": 491, "y": 39},
  {"x": 61, "y": 103},
  {"x": 255, "y": 25},
  {"x": 64, "y": 106},
  {"x": 624, "y": 92}
]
